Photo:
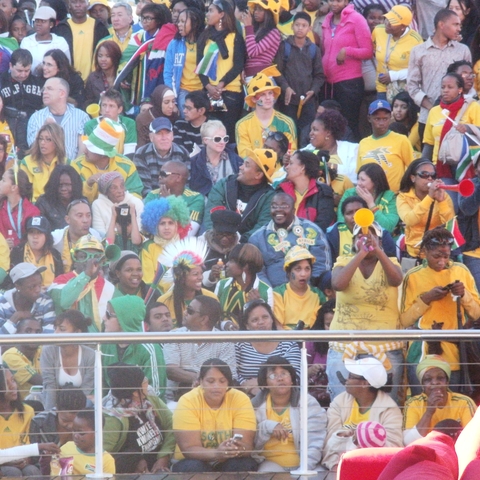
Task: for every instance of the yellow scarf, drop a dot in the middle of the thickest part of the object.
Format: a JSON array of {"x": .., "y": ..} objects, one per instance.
[
  {"x": 66, "y": 255},
  {"x": 46, "y": 261},
  {"x": 90, "y": 288}
]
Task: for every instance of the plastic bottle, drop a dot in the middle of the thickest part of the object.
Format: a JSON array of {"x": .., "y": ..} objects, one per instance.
[{"x": 222, "y": 267}]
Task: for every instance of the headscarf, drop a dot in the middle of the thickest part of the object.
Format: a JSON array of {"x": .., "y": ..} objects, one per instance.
[
  {"x": 432, "y": 361},
  {"x": 145, "y": 118}
]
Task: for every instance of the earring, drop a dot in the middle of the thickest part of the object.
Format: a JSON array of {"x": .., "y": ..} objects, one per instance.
[
  {"x": 327, "y": 138},
  {"x": 244, "y": 276},
  {"x": 220, "y": 24}
]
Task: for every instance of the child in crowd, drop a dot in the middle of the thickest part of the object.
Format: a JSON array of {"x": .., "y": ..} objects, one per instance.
[{"x": 78, "y": 457}]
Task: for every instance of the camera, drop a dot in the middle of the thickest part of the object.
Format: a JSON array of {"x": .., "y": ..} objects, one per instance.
[
  {"x": 123, "y": 214},
  {"x": 14, "y": 113}
]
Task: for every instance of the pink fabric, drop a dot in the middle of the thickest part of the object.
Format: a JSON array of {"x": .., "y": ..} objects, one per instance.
[
  {"x": 353, "y": 34},
  {"x": 365, "y": 463},
  {"x": 471, "y": 472},
  {"x": 260, "y": 55}
]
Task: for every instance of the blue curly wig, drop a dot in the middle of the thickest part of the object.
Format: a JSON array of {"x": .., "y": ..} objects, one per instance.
[{"x": 172, "y": 207}]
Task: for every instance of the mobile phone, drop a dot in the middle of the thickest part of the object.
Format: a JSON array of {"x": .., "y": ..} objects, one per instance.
[{"x": 237, "y": 436}]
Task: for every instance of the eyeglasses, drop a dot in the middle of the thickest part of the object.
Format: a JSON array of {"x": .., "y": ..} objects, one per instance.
[
  {"x": 110, "y": 315},
  {"x": 148, "y": 19},
  {"x": 191, "y": 311},
  {"x": 253, "y": 303},
  {"x": 76, "y": 202},
  {"x": 164, "y": 174},
  {"x": 282, "y": 374},
  {"x": 219, "y": 139},
  {"x": 83, "y": 256},
  {"x": 468, "y": 75},
  {"x": 225, "y": 234},
  {"x": 426, "y": 175}
]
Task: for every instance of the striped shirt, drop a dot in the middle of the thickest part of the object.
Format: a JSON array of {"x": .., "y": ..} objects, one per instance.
[
  {"x": 249, "y": 359},
  {"x": 72, "y": 123},
  {"x": 260, "y": 54},
  {"x": 186, "y": 135},
  {"x": 42, "y": 309}
]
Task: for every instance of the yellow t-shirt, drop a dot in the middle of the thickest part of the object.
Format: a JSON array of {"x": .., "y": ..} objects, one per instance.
[
  {"x": 289, "y": 307},
  {"x": 83, "y": 34},
  {"x": 436, "y": 120},
  {"x": 224, "y": 65},
  {"x": 393, "y": 152},
  {"x": 38, "y": 174},
  {"x": 459, "y": 408},
  {"x": 193, "y": 414},
  {"x": 282, "y": 452},
  {"x": 82, "y": 463},
  {"x": 356, "y": 417},
  {"x": 396, "y": 52},
  {"x": 366, "y": 303},
  {"x": 190, "y": 81},
  {"x": 14, "y": 429},
  {"x": 22, "y": 368},
  {"x": 422, "y": 279}
]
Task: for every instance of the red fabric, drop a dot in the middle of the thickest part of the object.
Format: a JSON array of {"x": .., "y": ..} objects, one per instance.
[
  {"x": 443, "y": 169},
  {"x": 164, "y": 36},
  {"x": 28, "y": 210},
  {"x": 436, "y": 449},
  {"x": 471, "y": 472},
  {"x": 309, "y": 213},
  {"x": 365, "y": 463}
]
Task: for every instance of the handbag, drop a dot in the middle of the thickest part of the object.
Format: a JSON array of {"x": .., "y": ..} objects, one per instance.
[
  {"x": 450, "y": 150},
  {"x": 394, "y": 88}
]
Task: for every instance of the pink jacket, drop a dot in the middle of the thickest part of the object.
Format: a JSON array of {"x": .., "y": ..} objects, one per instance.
[{"x": 353, "y": 34}]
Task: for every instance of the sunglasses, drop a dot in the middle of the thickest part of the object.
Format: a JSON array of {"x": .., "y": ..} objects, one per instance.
[
  {"x": 277, "y": 136},
  {"x": 219, "y": 139},
  {"x": 82, "y": 256},
  {"x": 426, "y": 175},
  {"x": 76, "y": 202},
  {"x": 191, "y": 311},
  {"x": 441, "y": 241}
]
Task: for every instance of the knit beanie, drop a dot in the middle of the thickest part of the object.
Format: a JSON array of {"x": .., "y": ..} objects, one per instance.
[
  {"x": 371, "y": 434},
  {"x": 105, "y": 181}
]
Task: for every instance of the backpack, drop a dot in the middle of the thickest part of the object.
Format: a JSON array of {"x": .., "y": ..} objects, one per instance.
[
  {"x": 288, "y": 48},
  {"x": 450, "y": 150}
]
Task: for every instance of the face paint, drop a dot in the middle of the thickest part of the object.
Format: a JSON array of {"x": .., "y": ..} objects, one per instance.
[
  {"x": 292, "y": 275},
  {"x": 260, "y": 103}
]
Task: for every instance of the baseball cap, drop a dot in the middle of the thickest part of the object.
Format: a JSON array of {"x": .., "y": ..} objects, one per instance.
[
  {"x": 370, "y": 368},
  {"x": 24, "y": 270},
  {"x": 161, "y": 123},
  {"x": 39, "y": 223},
  {"x": 379, "y": 105},
  {"x": 45, "y": 13},
  {"x": 399, "y": 15}
]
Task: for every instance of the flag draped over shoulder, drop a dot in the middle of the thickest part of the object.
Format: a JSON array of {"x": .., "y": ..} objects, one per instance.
[
  {"x": 7, "y": 46},
  {"x": 142, "y": 64},
  {"x": 470, "y": 151}
]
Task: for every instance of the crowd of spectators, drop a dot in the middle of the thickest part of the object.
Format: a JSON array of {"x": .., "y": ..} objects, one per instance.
[{"x": 209, "y": 168}]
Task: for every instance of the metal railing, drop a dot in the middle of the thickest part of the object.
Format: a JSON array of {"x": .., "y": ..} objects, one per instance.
[{"x": 97, "y": 339}]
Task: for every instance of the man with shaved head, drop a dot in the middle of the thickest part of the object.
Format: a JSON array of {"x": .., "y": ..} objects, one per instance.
[
  {"x": 172, "y": 180},
  {"x": 58, "y": 110}
]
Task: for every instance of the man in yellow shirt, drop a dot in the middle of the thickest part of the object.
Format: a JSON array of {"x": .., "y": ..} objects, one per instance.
[
  {"x": 82, "y": 34},
  {"x": 252, "y": 130},
  {"x": 392, "y": 151}
]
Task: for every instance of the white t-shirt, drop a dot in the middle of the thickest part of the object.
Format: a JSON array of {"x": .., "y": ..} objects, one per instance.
[{"x": 38, "y": 49}]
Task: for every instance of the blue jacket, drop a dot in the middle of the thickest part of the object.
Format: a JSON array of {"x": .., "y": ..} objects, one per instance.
[
  {"x": 174, "y": 62},
  {"x": 200, "y": 180},
  {"x": 267, "y": 241}
]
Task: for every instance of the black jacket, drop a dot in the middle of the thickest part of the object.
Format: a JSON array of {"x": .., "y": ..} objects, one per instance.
[{"x": 63, "y": 30}]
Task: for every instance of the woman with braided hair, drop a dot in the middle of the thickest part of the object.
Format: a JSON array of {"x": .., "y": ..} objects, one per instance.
[{"x": 429, "y": 302}]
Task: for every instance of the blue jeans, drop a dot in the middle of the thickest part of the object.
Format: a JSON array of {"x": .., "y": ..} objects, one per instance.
[
  {"x": 335, "y": 365},
  {"x": 244, "y": 464}
]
